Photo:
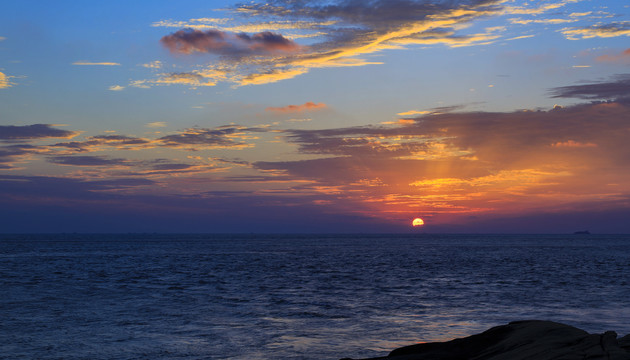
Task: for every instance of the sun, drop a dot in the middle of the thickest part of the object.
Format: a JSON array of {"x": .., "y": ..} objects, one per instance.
[{"x": 417, "y": 222}]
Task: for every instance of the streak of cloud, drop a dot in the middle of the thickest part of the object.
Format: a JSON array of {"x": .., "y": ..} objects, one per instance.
[
  {"x": 308, "y": 106},
  {"x": 222, "y": 137},
  {"x": 156, "y": 124},
  {"x": 88, "y": 161},
  {"x": 615, "y": 89},
  {"x": 615, "y": 29},
  {"x": 90, "y": 63},
  {"x": 193, "y": 79},
  {"x": 33, "y": 132}
]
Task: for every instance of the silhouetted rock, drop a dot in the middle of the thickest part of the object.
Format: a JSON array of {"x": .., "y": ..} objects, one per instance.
[{"x": 522, "y": 340}]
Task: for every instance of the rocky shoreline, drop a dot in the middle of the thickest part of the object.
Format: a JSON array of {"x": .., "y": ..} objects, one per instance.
[{"x": 521, "y": 340}]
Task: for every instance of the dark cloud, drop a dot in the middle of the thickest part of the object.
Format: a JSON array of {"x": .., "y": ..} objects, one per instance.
[
  {"x": 360, "y": 141},
  {"x": 7, "y": 152},
  {"x": 39, "y": 188},
  {"x": 11, "y": 154},
  {"x": 461, "y": 134},
  {"x": 119, "y": 183},
  {"x": 227, "y": 136},
  {"x": 189, "y": 41},
  {"x": 259, "y": 178},
  {"x": 616, "y": 89},
  {"x": 77, "y": 146},
  {"x": 52, "y": 204},
  {"x": 372, "y": 13},
  {"x": 89, "y": 161},
  {"x": 120, "y": 142},
  {"x": 169, "y": 167},
  {"x": 33, "y": 132}
]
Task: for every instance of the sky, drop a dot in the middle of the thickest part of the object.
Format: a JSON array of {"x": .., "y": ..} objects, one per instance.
[{"x": 289, "y": 116}]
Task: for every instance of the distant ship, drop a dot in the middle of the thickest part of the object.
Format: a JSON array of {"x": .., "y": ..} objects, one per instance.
[{"x": 585, "y": 232}]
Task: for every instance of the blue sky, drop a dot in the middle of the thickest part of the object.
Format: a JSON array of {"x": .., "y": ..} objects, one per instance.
[{"x": 315, "y": 116}]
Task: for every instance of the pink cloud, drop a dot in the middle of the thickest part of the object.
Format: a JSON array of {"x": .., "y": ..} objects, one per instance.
[{"x": 622, "y": 57}]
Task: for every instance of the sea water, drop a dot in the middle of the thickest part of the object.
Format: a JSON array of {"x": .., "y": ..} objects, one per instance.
[{"x": 295, "y": 296}]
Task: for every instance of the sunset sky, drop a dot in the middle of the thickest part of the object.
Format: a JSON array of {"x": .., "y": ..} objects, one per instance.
[{"x": 315, "y": 116}]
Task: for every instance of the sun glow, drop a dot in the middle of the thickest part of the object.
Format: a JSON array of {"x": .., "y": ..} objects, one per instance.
[{"x": 417, "y": 222}]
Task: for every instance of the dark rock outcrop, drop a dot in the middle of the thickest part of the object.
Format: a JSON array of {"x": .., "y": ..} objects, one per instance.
[{"x": 522, "y": 340}]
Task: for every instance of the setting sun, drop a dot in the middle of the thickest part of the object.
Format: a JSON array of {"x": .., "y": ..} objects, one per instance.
[{"x": 417, "y": 222}]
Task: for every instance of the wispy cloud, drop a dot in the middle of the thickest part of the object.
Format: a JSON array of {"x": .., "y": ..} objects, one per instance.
[
  {"x": 153, "y": 65},
  {"x": 116, "y": 88},
  {"x": 617, "y": 89},
  {"x": 614, "y": 29},
  {"x": 192, "y": 79},
  {"x": 90, "y": 63},
  {"x": 413, "y": 112},
  {"x": 541, "y": 21},
  {"x": 105, "y": 142},
  {"x": 308, "y": 106},
  {"x": 192, "y": 139},
  {"x": 11, "y": 155},
  {"x": 538, "y": 10},
  {"x": 156, "y": 124},
  {"x": 75, "y": 160},
  {"x": 222, "y": 137}
]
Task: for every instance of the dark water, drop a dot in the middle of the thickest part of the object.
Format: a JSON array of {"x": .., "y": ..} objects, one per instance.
[{"x": 295, "y": 297}]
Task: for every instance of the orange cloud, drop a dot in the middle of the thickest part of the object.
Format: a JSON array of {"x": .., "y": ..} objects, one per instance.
[{"x": 308, "y": 106}]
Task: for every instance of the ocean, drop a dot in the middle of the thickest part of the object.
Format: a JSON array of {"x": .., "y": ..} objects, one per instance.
[{"x": 152, "y": 296}]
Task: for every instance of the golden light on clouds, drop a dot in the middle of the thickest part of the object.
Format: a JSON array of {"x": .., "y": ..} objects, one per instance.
[
  {"x": 437, "y": 131},
  {"x": 4, "y": 81}
]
